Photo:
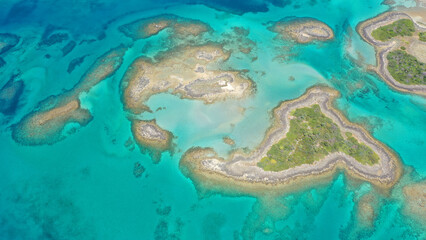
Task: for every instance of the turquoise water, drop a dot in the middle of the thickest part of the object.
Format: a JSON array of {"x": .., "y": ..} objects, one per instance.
[{"x": 83, "y": 187}]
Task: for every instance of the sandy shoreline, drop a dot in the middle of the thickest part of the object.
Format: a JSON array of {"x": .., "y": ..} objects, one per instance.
[
  {"x": 383, "y": 48},
  {"x": 242, "y": 167}
]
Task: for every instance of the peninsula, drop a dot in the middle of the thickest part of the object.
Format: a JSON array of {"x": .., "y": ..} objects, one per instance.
[
  {"x": 400, "y": 50},
  {"x": 308, "y": 139}
]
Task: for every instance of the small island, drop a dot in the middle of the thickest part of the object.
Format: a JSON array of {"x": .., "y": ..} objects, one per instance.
[
  {"x": 151, "y": 137},
  {"x": 308, "y": 139},
  {"x": 400, "y": 50},
  {"x": 302, "y": 30}
]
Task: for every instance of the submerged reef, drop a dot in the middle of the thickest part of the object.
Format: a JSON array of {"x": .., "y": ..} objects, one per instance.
[
  {"x": 68, "y": 48},
  {"x": 191, "y": 72},
  {"x": 7, "y": 41},
  {"x": 302, "y": 30},
  {"x": 361, "y": 155},
  {"x": 415, "y": 196},
  {"x": 75, "y": 63},
  {"x": 368, "y": 206},
  {"x": 46, "y": 126},
  {"x": 400, "y": 53},
  {"x": 53, "y": 35},
  {"x": 47, "y": 123},
  {"x": 10, "y": 94},
  {"x": 180, "y": 27},
  {"x": 149, "y": 136}
]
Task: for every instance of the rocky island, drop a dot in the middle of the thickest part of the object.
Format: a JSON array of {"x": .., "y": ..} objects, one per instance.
[
  {"x": 308, "y": 139},
  {"x": 151, "y": 137},
  {"x": 302, "y": 30},
  {"x": 400, "y": 50},
  {"x": 191, "y": 72}
]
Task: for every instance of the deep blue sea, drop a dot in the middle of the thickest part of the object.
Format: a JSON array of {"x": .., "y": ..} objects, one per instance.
[{"x": 83, "y": 187}]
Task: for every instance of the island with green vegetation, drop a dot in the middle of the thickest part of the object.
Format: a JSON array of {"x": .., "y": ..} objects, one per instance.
[
  {"x": 405, "y": 68},
  {"x": 312, "y": 136},
  {"x": 422, "y": 36},
  {"x": 402, "y": 27},
  {"x": 400, "y": 50},
  {"x": 308, "y": 139}
]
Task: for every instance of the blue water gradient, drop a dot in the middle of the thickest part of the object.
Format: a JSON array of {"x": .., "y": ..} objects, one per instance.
[{"x": 83, "y": 187}]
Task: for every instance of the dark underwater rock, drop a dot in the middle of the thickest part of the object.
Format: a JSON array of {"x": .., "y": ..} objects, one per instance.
[
  {"x": 68, "y": 48},
  {"x": 7, "y": 41},
  {"x": 75, "y": 63},
  {"x": 54, "y": 39},
  {"x": 50, "y": 37},
  {"x": 10, "y": 95},
  {"x": 138, "y": 170},
  {"x": 2, "y": 62}
]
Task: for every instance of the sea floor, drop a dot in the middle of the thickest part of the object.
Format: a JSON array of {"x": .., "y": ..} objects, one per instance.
[{"x": 84, "y": 186}]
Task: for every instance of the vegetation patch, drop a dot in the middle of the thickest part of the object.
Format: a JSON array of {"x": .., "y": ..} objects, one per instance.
[
  {"x": 402, "y": 27},
  {"x": 313, "y": 136},
  {"x": 405, "y": 68},
  {"x": 422, "y": 36}
]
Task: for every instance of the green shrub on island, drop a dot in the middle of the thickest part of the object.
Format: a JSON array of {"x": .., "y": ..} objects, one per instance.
[
  {"x": 313, "y": 136},
  {"x": 405, "y": 68},
  {"x": 402, "y": 27},
  {"x": 422, "y": 36}
]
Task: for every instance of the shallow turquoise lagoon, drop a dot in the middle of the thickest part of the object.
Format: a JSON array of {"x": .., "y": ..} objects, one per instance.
[{"x": 83, "y": 187}]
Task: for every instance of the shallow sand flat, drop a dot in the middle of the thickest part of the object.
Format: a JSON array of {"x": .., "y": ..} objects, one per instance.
[
  {"x": 303, "y": 30},
  {"x": 191, "y": 72},
  {"x": 383, "y": 48},
  {"x": 418, "y": 49},
  {"x": 243, "y": 167},
  {"x": 418, "y": 14}
]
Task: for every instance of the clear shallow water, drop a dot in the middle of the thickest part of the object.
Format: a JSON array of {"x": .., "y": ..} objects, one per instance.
[{"x": 84, "y": 188}]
